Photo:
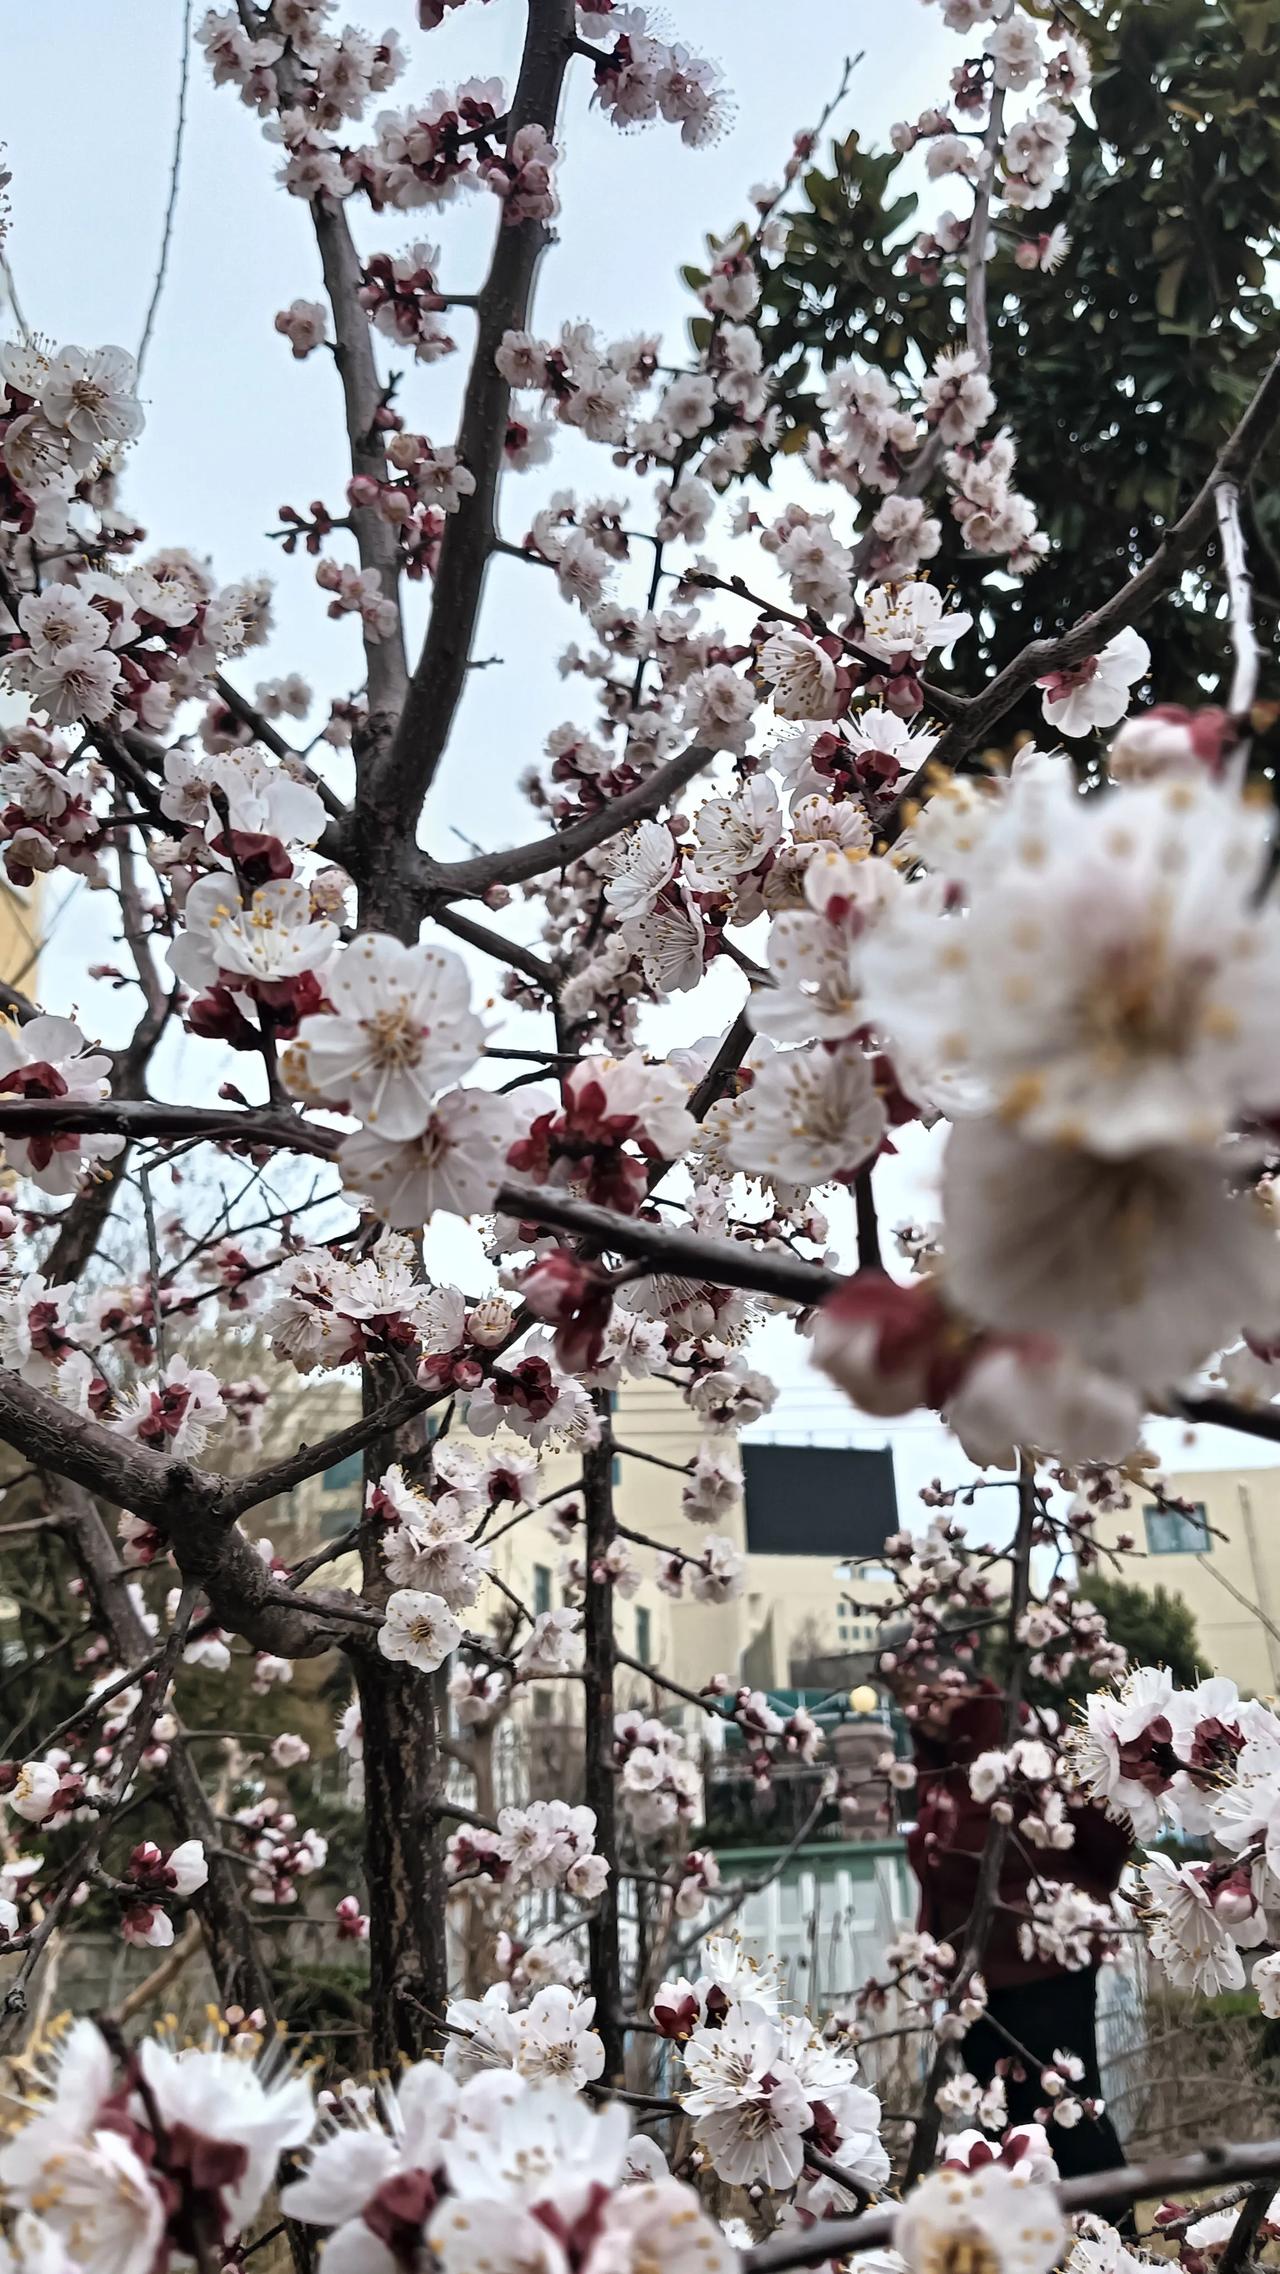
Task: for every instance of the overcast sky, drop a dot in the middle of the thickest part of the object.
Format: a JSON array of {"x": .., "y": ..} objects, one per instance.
[{"x": 235, "y": 427}]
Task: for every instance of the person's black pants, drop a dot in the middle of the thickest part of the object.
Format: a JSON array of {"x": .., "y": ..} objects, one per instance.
[{"x": 1058, "y": 2014}]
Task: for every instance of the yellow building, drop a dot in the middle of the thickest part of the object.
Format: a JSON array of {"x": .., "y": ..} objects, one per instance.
[
  {"x": 829, "y": 1916},
  {"x": 20, "y": 912},
  {"x": 798, "y": 1609},
  {"x": 1222, "y": 1558},
  {"x": 19, "y": 936},
  {"x": 799, "y": 1603}
]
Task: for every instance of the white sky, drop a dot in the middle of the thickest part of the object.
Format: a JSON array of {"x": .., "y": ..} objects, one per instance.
[{"x": 235, "y": 427}]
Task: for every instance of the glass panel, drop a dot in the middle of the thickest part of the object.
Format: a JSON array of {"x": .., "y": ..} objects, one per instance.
[
  {"x": 1174, "y": 1531},
  {"x": 343, "y": 1475}
]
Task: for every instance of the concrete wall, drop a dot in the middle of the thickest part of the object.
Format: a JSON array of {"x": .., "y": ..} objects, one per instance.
[
  {"x": 1234, "y": 1586},
  {"x": 794, "y": 1605}
]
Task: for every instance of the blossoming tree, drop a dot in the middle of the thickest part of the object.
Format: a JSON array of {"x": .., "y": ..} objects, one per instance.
[{"x": 785, "y": 768}]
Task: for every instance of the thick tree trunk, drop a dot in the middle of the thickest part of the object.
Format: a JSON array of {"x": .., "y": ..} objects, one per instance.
[
  {"x": 404, "y": 1713},
  {"x": 404, "y": 1857},
  {"x": 599, "y": 1780}
]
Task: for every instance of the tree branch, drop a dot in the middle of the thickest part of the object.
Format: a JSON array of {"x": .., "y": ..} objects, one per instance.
[
  {"x": 125, "y": 1768},
  {"x": 1159, "y": 575},
  {"x": 832, "y": 2239},
  {"x": 1244, "y": 2234},
  {"x": 719, "y": 1074},
  {"x": 766, "y": 1878},
  {"x": 155, "y": 994},
  {"x": 599, "y": 1775},
  {"x": 722, "y": 1263},
  {"x": 976, "y": 332},
  {"x": 535, "y": 967},
  {"x": 1219, "y": 1413},
  {"x": 469, "y": 879},
  {"x": 362, "y": 394},
  {"x": 401, "y": 778},
  {"x": 239, "y": 1494},
  {"x": 1244, "y": 639},
  {"x": 263, "y": 731},
  {"x": 189, "y": 1505},
  {"x": 16, "y": 1005},
  {"x": 242, "y": 1976},
  {"x": 80, "y": 1226},
  {"x": 147, "y": 1117}
]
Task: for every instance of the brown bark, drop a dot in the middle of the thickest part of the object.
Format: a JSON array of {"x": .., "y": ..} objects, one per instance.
[
  {"x": 362, "y": 396},
  {"x": 404, "y": 1773},
  {"x": 435, "y": 689},
  {"x": 600, "y": 1783},
  {"x": 1163, "y": 2178},
  {"x": 986, "y": 1894}
]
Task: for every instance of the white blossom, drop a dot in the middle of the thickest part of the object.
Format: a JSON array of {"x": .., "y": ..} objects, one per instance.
[
  {"x": 1112, "y": 978},
  {"x": 1144, "y": 1265},
  {"x": 808, "y": 1116},
  {"x": 457, "y": 1162},
  {"x": 1011, "y": 2225},
  {"x": 1095, "y": 692},
  {"x": 401, "y": 1028},
  {"x": 418, "y": 1628},
  {"x": 909, "y": 620}
]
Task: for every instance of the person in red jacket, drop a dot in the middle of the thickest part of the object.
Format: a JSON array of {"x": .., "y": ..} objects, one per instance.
[{"x": 1033, "y": 2002}]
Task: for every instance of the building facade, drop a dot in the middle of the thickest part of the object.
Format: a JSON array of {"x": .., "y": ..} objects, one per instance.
[
  {"x": 19, "y": 936},
  {"x": 1222, "y": 1556},
  {"x": 810, "y": 1524}
]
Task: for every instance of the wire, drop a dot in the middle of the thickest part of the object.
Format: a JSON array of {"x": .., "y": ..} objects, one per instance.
[{"x": 174, "y": 172}]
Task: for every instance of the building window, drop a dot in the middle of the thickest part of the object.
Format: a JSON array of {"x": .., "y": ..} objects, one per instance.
[
  {"x": 836, "y": 1502},
  {"x": 1173, "y": 1531},
  {"x": 542, "y": 1587},
  {"x": 644, "y": 1635},
  {"x": 344, "y": 1474}
]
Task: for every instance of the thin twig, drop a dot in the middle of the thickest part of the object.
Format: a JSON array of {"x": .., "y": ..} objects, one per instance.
[
  {"x": 173, "y": 1963},
  {"x": 153, "y": 1264},
  {"x": 977, "y": 333},
  {"x": 175, "y": 170}
]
